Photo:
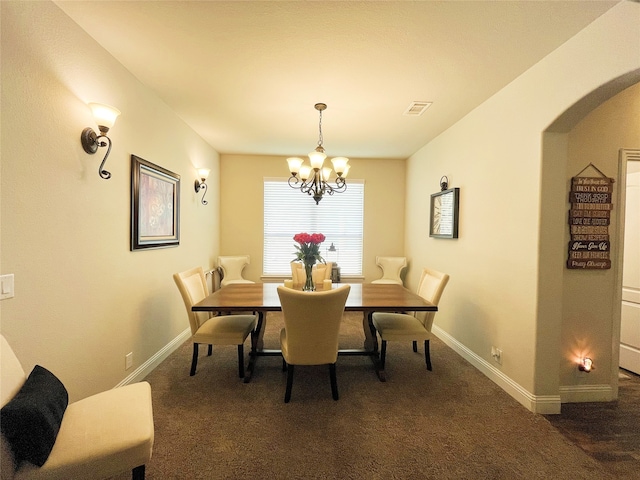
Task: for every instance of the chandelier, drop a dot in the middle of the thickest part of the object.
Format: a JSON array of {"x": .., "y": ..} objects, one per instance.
[{"x": 314, "y": 180}]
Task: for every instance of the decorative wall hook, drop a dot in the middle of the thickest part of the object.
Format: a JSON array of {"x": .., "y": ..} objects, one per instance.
[
  {"x": 444, "y": 183},
  {"x": 105, "y": 117}
]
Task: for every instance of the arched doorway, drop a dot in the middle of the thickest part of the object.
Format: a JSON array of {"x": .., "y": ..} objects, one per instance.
[{"x": 592, "y": 131}]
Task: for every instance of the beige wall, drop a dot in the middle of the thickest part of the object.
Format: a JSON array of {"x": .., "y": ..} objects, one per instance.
[
  {"x": 241, "y": 213},
  {"x": 588, "y": 328},
  {"x": 83, "y": 300},
  {"x": 506, "y": 267}
]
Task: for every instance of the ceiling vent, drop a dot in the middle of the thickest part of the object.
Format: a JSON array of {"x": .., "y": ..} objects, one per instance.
[{"x": 416, "y": 109}]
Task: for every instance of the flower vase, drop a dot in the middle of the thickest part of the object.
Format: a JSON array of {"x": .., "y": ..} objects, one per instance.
[{"x": 308, "y": 284}]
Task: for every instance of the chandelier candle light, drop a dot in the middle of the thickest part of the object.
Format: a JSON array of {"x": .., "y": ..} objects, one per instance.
[
  {"x": 308, "y": 251},
  {"x": 314, "y": 180}
]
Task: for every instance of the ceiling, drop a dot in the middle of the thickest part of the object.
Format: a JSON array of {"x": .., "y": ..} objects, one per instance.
[{"x": 245, "y": 75}]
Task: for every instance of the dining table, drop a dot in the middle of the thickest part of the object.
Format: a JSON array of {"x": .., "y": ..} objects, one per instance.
[{"x": 262, "y": 298}]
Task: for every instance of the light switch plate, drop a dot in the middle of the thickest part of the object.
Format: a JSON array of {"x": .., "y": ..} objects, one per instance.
[{"x": 6, "y": 286}]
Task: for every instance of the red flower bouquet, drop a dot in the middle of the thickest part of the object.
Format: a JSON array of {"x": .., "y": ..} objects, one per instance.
[{"x": 308, "y": 251}]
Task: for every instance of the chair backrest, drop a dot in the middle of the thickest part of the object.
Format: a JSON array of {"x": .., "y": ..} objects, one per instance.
[
  {"x": 232, "y": 267},
  {"x": 320, "y": 272},
  {"x": 391, "y": 267},
  {"x": 193, "y": 288},
  {"x": 298, "y": 274},
  {"x": 430, "y": 288},
  {"x": 312, "y": 322}
]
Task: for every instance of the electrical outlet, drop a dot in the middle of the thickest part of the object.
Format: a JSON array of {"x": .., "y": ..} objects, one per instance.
[
  {"x": 128, "y": 361},
  {"x": 496, "y": 354}
]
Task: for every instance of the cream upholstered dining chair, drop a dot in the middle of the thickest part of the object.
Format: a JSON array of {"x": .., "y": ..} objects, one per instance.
[
  {"x": 231, "y": 268},
  {"x": 311, "y": 328},
  {"x": 207, "y": 329},
  {"x": 407, "y": 327},
  {"x": 391, "y": 269},
  {"x": 298, "y": 274},
  {"x": 320, "y": 272}
]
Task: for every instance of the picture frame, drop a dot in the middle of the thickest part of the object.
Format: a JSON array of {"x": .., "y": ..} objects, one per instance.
[
  {"x": 155, "y": 206},
  {"x": 444, "y": 213}
]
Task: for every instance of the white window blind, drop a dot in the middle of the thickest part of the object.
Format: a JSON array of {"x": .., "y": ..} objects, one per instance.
[{"x": 339, "y": 217}]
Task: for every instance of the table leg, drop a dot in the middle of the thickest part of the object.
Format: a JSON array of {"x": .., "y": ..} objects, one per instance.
[
  {"x": 256, "y": 344},
  {"x": 370, "y": 339},
  {"x": 371, "y": 343},
  {"x": 260, "y": 331}
]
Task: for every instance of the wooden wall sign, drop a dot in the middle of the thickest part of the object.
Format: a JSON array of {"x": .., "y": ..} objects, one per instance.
[{"x": 589, "y": 219}]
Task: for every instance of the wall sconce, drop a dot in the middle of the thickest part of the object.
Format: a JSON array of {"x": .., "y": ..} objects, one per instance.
[
  {"x": 585, "y": 365},
  {"x": 200, "y": 184},
  {"x": 105, "y": 117}
]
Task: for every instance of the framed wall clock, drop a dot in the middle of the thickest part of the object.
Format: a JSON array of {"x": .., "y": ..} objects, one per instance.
[{"x": 444, "y": 214}]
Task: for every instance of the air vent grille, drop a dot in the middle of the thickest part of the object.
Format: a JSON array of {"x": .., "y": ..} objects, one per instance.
[{"x": 416, "y": 109}]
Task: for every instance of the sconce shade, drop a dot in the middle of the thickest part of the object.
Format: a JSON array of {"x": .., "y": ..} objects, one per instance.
[
  {"x": 104, "y": 115},
  {"x": 203, "y": 173}
]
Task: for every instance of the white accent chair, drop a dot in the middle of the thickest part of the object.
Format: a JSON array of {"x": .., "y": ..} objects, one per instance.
[
  {"x": 99, "y": 436},
  {"x": 311, "y": 328},
  {"x": 391, "y": 269},
  {"x": 231, "y": 268},
  {"x": 416, "y": 326},
  {"x": 212, "y": 330}
]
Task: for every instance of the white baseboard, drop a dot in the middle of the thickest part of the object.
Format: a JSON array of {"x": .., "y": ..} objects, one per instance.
[
  {"x": 147, "y": 367},
  {"x": 543, "y": 404},
  {"x": 586, "y": 393}
]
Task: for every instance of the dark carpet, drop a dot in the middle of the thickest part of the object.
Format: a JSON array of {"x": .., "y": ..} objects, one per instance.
[{"x": 450, "y": 423}]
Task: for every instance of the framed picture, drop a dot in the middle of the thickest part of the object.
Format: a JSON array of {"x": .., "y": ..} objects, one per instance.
[
  {"x": 444, "y": 214},
  {"x": 155, "y": 206}
]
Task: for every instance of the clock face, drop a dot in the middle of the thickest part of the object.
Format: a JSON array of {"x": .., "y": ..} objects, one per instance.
[
  {"x": 444, "y": 214},
  {"x": 437, "y": 215}
]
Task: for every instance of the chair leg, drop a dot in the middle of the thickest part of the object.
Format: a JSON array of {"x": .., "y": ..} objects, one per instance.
[
  {"x": 138, "y": 473},
  {"x": 427, "y": 357},
  {"x": 415, "y": 346},
  {"x": 284, "y": 365},
  {"x": 210, "y": 350},
  {"x": 287, "y": 394},
  {"x": 334, "y": 381},
  {"x": 194, "y": 359},
  {"x": 241, "y": 360},
  {"x": 383, "y": 353}
]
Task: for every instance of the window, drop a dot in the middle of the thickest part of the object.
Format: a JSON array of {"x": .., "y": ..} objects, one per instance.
[{"x": 288, "y": 211}]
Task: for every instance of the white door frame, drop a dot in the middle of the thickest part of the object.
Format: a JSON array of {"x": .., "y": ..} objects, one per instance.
[{"x": 625, "y": 155}]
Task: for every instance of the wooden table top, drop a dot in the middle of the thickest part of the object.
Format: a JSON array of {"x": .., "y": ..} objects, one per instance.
[{"x": 362, "y": 297}]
